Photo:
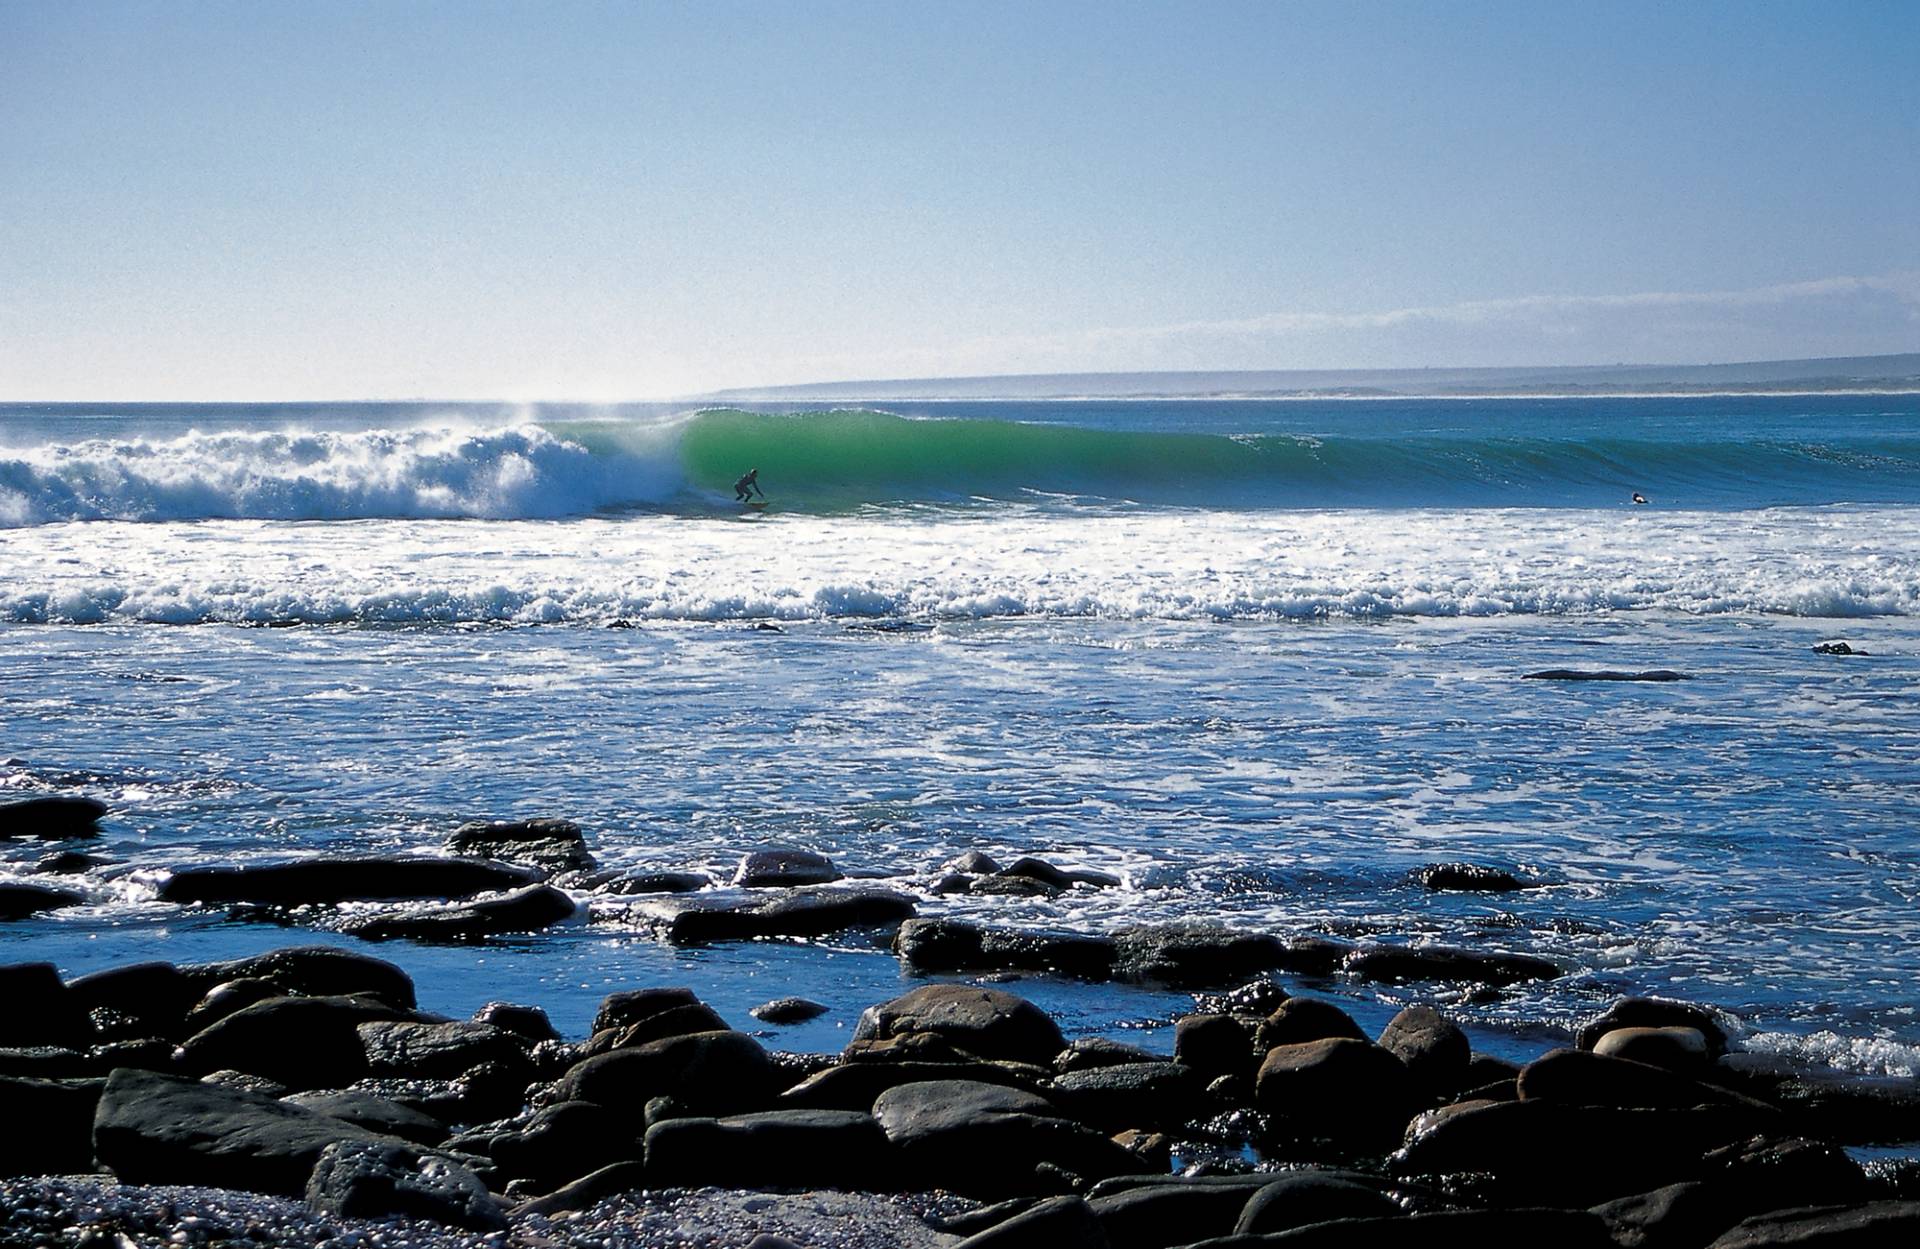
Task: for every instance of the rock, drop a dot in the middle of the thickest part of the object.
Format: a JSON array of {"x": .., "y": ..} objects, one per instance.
[
  {"x": 1434, "y": 1049},
  {"x": 654, "y": 882},
  {"x": 438, "y": 1050},
  {"x": 990, "y": 1141},
  {"x": 855, "y": 1086},
  {"x": 1156, "y": 1095},
  {"x": 1391, "y": 963},
  {"x": 155, "y": 996},
  {"x": 1030, "y": 868},
  {"x": 787, "y": 1010},
  {"x": 1839, "y": 1106},
  {"x": 67, "y": 863},
  {"x": 1676, "y": 1049},
  {"x": 53, "y": 818},
  {"x": 369, "y": 1180},
  {"x": 566, "y": 1141},
  {"x": 1573, "y": 674},
  {"x": 1561, "y": 1229},
  {"x": 949, "y": 945},
  {"x": 547, "y": 844},
  {"x": 1791, "y": 1172},
  {"x": 983, "y": 1022},
  {"x": 1835, "y": 648},
  {"x": 160, "y": 1129},
  {"x": 1009, "y": 886},
  {"x": 1091, "y": 1053},
  {"x": 1653, "y": 1012},
  {"x": 796, "y": 912},
  {"x": 1301, "y": 1019},
  {"x": 322, "y": 881},
  {"x": 224, "y": 999},
  {"x": 241, "y": 1081},
  {"x": 1155, "y": 1215},
  {"x": 671, "y": 1022},
  {"x": 523, "y": 910},
  {"x": 583, "y": 1193},
  {"x": 1257, "y": 998},
  {"x": 376, "y": 1114},
  {"x": 46, "y": 1062},
  {"x": 1554, "y": 1153},
  {"x": 974, "y": 863},
  {"x": 1059, "y": 1223},
  {"x": 1182, "y": 955},
  {"x": 1468, "y": 878},
  {"x": 784, "y": 868},
  {"x": 50, "y": 1126},
  {"x": 1878, "y": 1224},
  {"x": 36, "y": 1009},
  {"x": 632, "y": 1006},
  {"x": 313, "y": 971},
  {"x": 530, "y": 1023},
  {"x": 709, "y": 1072},
  {"x": 1307, "y": 1197},
  {"x": 18, "y": 901},
  {"x": 771, "y": 1149},
  {"x": 1337, "y": 1089},
  {"x": 1581, "y": 1077},
  {"x": 302, "y": 1042}
]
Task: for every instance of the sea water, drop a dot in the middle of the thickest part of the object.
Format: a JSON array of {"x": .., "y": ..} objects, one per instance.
[{"x": 1261, "y": 660}]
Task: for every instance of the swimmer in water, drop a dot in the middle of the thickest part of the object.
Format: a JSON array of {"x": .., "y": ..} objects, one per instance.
[{"x": 1638, "y": 497}]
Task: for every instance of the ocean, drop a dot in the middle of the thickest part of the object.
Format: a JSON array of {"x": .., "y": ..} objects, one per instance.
[{"x": 1262, "y": 660}]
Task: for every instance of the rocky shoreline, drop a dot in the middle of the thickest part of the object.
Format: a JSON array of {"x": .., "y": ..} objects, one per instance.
[{"x": 300, "y": 1097}]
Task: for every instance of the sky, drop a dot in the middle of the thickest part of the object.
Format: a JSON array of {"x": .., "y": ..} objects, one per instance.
[{"x": 572, "y": 200}]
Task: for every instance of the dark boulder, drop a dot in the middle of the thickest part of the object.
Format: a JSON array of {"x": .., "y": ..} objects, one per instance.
[
  {"x": 1468, "y": 878},
  {"x": 950, "y": 945},
  {"x": 66, "y": 863},
  {"x": 1213, "y": 1045},
  {"x": 632, "y": 1006},
  {"x": 628, "y": 883},
  {"x": 1561, "y": 1229},
  {"x": 1654, "y": 1012},
  {"x": 1058, "y": 1223},
  {"x": 322, "y": 881},
  {"x": 314, "y": 971},
  {"x": 36, "y": 1009},
  {"x": 155, "y": 996},
  {"x": 566, "y": 1141},
  {"x": 708, "y": 1072},
  {"x": 1194, "y": 955},
  {"x": 787, "y": 1010},
  {"x": 737, "y": 915},
  {"x": 302, "y": 1042},
  {"x": 1093, "y": 1052},
  {"x": 18, "y": 901},
  {"x": 1000, "y": 886},
  {"x": 1839, "y": 1106},
  {"x": 974, "y": 863},
  {"x": 1432, "y": 962},
  {"x": 1338, "y": 1089},
  {"x": 1155, "y": 1215},
  {"x": 984, "y": 1022},
  {"x": 1584, "y": 1078},
  {"x": 784, "y": 868},
  {"x": 52, "y": 818},
  {"x": 1436, "y": 1052},
  {"x": 673, "y": 1021},
  {"x": 1676, "y": 1049},
  {"x": 1157, "y": 1095},
  {"x": 991, "y": 1141},
  {"x": 524, "y": 910},
  {"x": 1301, "y": 1019},
  {"x": 608, "y": 1181},
  {"x": 1876, "y": 1225},
  {"x": 376, "y": 1114},
  {"x": 224, "y": 999},
  {"x": 370, "y": 1180},
  {"x": 1306, "y": 1197},
  {"x": 772, "y": 1149},
  {"x": 49, "y": 1126},
  {"x": 439, "y": 1050},
  {"x": 159, "y": 1129},
  {"x": 856, "y": 1086},
  {"x": 549, "y": 845},
  {"x": 529, "y": 1023}
]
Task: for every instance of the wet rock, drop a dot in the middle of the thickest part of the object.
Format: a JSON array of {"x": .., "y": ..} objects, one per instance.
[
  {"x": 947, "y": 945},
  {"x": 1436, "y": 1052},
  {"x": 1061, "y": 879},
  {"x": 1306, "y": 1197},
  {"x": 50, "y": 1126},
  {"x": 321, "y": 881},
  {"x": 632, "y": 1006},
  {"x": 1194, "y": 954},
  {"x": 772, "y": 1149},
  {"x": 1575, "y": 674},
  {"x": 36, "y": 1009},
  {"x": 564, "y": 1142},
  {"x": 1301, "y": 1019},
  {"x": 1091, "y": 1053},
  {"x": 523, "y": 910},
  {"x": 224, "y": 999},
  {"x": 1836, "y": 648},
  {"x": 654, "y": 882},
  {"x": 159, "y": 1129},
  {"x": 710, "y": 1072},
  {"x": 1396, "y": 963},
  {"x": 1256, "y": 999},
  {"x": 1654, "y": 1012},
  {"x": 376, "y": 1114},
  {"x": 302, "y": 1042},
  {"x": 154, "y": 996},
  {"x": 18, "y": 901},
  {"x": 1156, "y": 1215},
  {"x": 974, "y": 863},
  {"x": 670, "y": 1022},
  {"x": 1468, "y": 878},
  {"x": 56, "y": 817},
  {"x": 1156, "y": 1095},
  {"x": 796, "y": 912},
  {"x": 1871, "y": 1226},
  {"x": 991, "y": 1141},
  {"x": 314, "y": 971},
  {"x": 530, "y": 1023},
  {"x": 784, "y": 868},
  {"x": 1058, "y": 1223},
  {"x": 369, "y": 1180},
  {"x": 951, "y": 883},
  {"x": 547, "y": 844},
  {"x": 1837, "y": 1106},
  {"x": 1585, "y": 1078},
  {"x": 1676, "y": 1049},
  {"x": 67, "y": 863},
  {"x": 983, "y": 1022},
  {"x": 787, "y": 1010},
  {"x": 439, "y": 1050},
  {"x": 1338, "y": 1089},
  {"x": 1013, "y": 887},
  {"x": 855, "y": 1086}
]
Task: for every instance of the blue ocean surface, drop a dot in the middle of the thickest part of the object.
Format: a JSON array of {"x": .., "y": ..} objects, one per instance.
[{"x": 1261, "y": 660}]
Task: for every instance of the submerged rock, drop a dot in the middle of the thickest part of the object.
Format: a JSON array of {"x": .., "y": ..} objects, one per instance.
[
  {"x": 317, "y": 881},
  {"x": 788, "y": 1010},
  {"x": 1468, "y": 878},
  {"x": 55, "y": 817},
  {"x": 1432, "y": 962},
  {"x": 1575, "y": 674},
  {"x": 18, "y": 901}
]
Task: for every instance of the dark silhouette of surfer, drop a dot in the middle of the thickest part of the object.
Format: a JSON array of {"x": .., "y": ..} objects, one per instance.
[
  {"x": 1638, "y": 497},
  {"x": 747, "y": 487}
]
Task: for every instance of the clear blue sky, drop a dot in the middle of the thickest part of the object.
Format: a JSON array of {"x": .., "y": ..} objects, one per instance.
[{"x": 258, "y": 200}]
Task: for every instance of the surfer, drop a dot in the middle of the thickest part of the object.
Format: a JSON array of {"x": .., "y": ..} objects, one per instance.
[
  {"x": 1638, "y": 497},
  {"x": 747, "y": 487}
]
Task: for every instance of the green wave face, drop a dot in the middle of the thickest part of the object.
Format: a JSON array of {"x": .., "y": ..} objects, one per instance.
[{"x": 847, "y": 458}]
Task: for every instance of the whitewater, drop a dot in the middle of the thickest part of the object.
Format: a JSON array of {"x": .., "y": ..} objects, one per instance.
[{"x": 1262, "y": 660}]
